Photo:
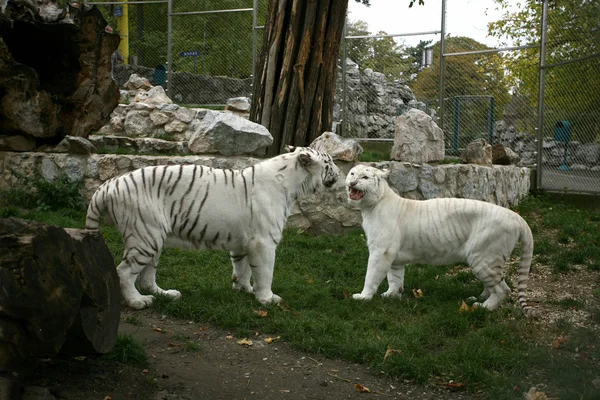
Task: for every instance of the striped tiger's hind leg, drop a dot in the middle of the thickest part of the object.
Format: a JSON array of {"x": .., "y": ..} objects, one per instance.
[
  {"x": 241, "y": 272},
  {"x": 147, "y": 281},
  {"x": 493, "y": 281},
  {"x": 128, "y": 270},
  {"x": 395, "y": 277}
]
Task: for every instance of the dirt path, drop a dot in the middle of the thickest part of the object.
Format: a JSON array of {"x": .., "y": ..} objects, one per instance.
[{"x": 217, "y": 367}]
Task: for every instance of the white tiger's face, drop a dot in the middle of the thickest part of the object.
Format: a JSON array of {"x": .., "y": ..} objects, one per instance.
[
  {"x": 364, "y": 184},
  {"x": 320, "y": 163}
]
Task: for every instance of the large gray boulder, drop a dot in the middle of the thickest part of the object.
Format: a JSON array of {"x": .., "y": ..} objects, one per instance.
[
  {"x": 417, "y": 138},
  {"x": 229, "y": 134},
  {"x": 338, "y": 147}
]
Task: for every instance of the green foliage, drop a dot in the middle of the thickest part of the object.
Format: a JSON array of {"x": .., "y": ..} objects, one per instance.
[
  {"x": 572, "y": 91},
  {"x": 128, "y": 350},
  {"x": 36, "y": 192}
]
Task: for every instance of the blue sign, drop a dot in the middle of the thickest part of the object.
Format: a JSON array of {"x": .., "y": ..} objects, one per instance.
[
  {"x": 118, "y": 11},
  {"x": 191, "y": 53}
]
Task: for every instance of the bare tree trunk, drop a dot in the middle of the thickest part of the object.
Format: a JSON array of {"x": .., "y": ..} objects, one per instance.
[{"x": 295, "y": 83}]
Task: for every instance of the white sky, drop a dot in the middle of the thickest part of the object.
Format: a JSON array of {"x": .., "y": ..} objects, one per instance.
[{"x": 463, "y": 18}]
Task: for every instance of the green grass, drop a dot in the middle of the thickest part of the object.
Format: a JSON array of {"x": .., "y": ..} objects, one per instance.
[
  {"x": 128, "y": 350},
  {"x": 492, "y": 353}
]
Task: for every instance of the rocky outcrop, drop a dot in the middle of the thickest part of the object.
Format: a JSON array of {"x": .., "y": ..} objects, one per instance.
[
  {"x": 327, "y": 212},
  {"x": 55, "y": 67},
  {"x": 502, "y": 155},
  {"x": 372, "y": 102},
  {"x": 418, "y": 139}
]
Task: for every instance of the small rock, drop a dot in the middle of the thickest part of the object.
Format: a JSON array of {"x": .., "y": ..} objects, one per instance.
[
  {"x": 238, "y": 104},
  {"x": 136, "y": 82},
  {"x": 75, "y": 145},
  {"x": 478, "y": 152}
]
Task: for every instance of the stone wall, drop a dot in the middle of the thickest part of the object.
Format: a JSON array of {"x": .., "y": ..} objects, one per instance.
[
  {"x": 324, "y": 213},
  {"x": 189, "y": 88}
]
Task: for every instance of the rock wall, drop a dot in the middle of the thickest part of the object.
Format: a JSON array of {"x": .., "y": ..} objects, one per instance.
[
  {"x": 372, "y": 102},
  {"x": 324, "y": 213}
]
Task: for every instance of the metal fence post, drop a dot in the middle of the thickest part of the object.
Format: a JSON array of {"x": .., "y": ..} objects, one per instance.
[
  {"x": 254, "y": 40},
  {"x": 169, "y": 47},
  {"x": 540, "y": 110},
  {"x": 491, "y": 120},
  {"x": 456, "y": 122},
  {"x": 442, "y": 63},
  {"x": 344, "y": 55}
]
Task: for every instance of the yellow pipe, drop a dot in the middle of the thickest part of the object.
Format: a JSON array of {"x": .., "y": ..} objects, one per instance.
[{"x": 123, "y": 25}]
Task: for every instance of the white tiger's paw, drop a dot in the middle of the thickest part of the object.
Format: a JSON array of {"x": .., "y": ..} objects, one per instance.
[
  {"x": 172, "y": 294},
  {"x": 243, "y": 287},
  {"x": 274, "y": 299},
  {"x": 394, "y": 293},
  {"x": 139, "y": 303},
  {"x": 360, "y": 296}
]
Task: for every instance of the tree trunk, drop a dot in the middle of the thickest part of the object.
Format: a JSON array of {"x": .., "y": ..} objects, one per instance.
[
  {"x": 295, "y": 81},
  {"x": 57, "y": 287}
]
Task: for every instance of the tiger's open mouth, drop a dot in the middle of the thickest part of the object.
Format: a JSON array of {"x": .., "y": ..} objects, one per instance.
[{"x": 355, "y": 194}]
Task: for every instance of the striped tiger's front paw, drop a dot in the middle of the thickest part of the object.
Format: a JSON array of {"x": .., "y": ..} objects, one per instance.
[
  {"x": 360, "y": 296},
  {"x": 243, "y": 287}
]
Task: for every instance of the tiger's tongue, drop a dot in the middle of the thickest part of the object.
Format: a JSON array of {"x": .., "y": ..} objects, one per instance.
[{"x": 356, "y": 194}]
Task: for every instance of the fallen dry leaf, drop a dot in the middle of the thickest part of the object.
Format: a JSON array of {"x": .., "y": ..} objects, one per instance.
[
  {"x": 107, "y": 397},
  {"x": 260, "y": 313},
  {"x": 158, "y": 329},
  {"x": 451, "y": 385},
  {"x": 464, "y": 307},
  {"x": 245, "y": 342},
  {"x": 270, "y": 340},
  {"x": 310, "y": 281},
  {"x": 229, "y": 337},
  {"x": 389, "y": 352},
  {"x": 174, "y": 344},
  {"x": 145, "y": 371},
  {"x": 361, "y": 388},
  {"x": 417, "y": 293},
  {"x": 557, "y": 342}
]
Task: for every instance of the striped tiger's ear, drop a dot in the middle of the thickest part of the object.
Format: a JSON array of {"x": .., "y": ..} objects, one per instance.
[{"x": 305, "y": 160}]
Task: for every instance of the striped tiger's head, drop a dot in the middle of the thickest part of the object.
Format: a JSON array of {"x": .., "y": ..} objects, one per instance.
[
  {"x": 365, "y": 184},
  {"x": 319, "y": 163}
]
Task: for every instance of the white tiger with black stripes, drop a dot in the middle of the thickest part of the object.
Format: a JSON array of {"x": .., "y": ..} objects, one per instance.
[
  {"x": 192, "y": 206},
  {"x": 437, "y": 231}
]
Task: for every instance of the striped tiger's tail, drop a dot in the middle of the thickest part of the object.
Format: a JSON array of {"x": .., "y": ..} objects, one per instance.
[
  {"x": 523, "y": 272},
  {"x": 95, "y": 211}
]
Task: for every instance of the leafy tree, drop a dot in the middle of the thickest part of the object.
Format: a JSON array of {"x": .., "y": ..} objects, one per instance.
[
  {"x": 383, "y": 54},
  {"x": 471, "y": 75},
  {"x": 571, "y": 91}
]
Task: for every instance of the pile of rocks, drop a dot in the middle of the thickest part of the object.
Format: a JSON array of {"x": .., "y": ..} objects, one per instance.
[
  {"x": 372, "y": 102},
  {"x": 147, "y": 120}
]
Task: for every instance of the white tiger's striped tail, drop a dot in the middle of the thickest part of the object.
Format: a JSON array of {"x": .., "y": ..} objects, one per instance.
[
  {"x": 94, "y": 212},
  {"x": 523, "y": 272}
]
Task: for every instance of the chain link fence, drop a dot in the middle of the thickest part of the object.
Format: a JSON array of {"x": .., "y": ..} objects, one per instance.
[
  {"x": 202, "y": 53},
  {"x": 570, "y": 156}
]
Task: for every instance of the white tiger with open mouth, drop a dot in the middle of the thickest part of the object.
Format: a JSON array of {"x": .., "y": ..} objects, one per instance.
[
  {"x": 437, "y": 231},
  {"x": 192, "y": 206}
]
